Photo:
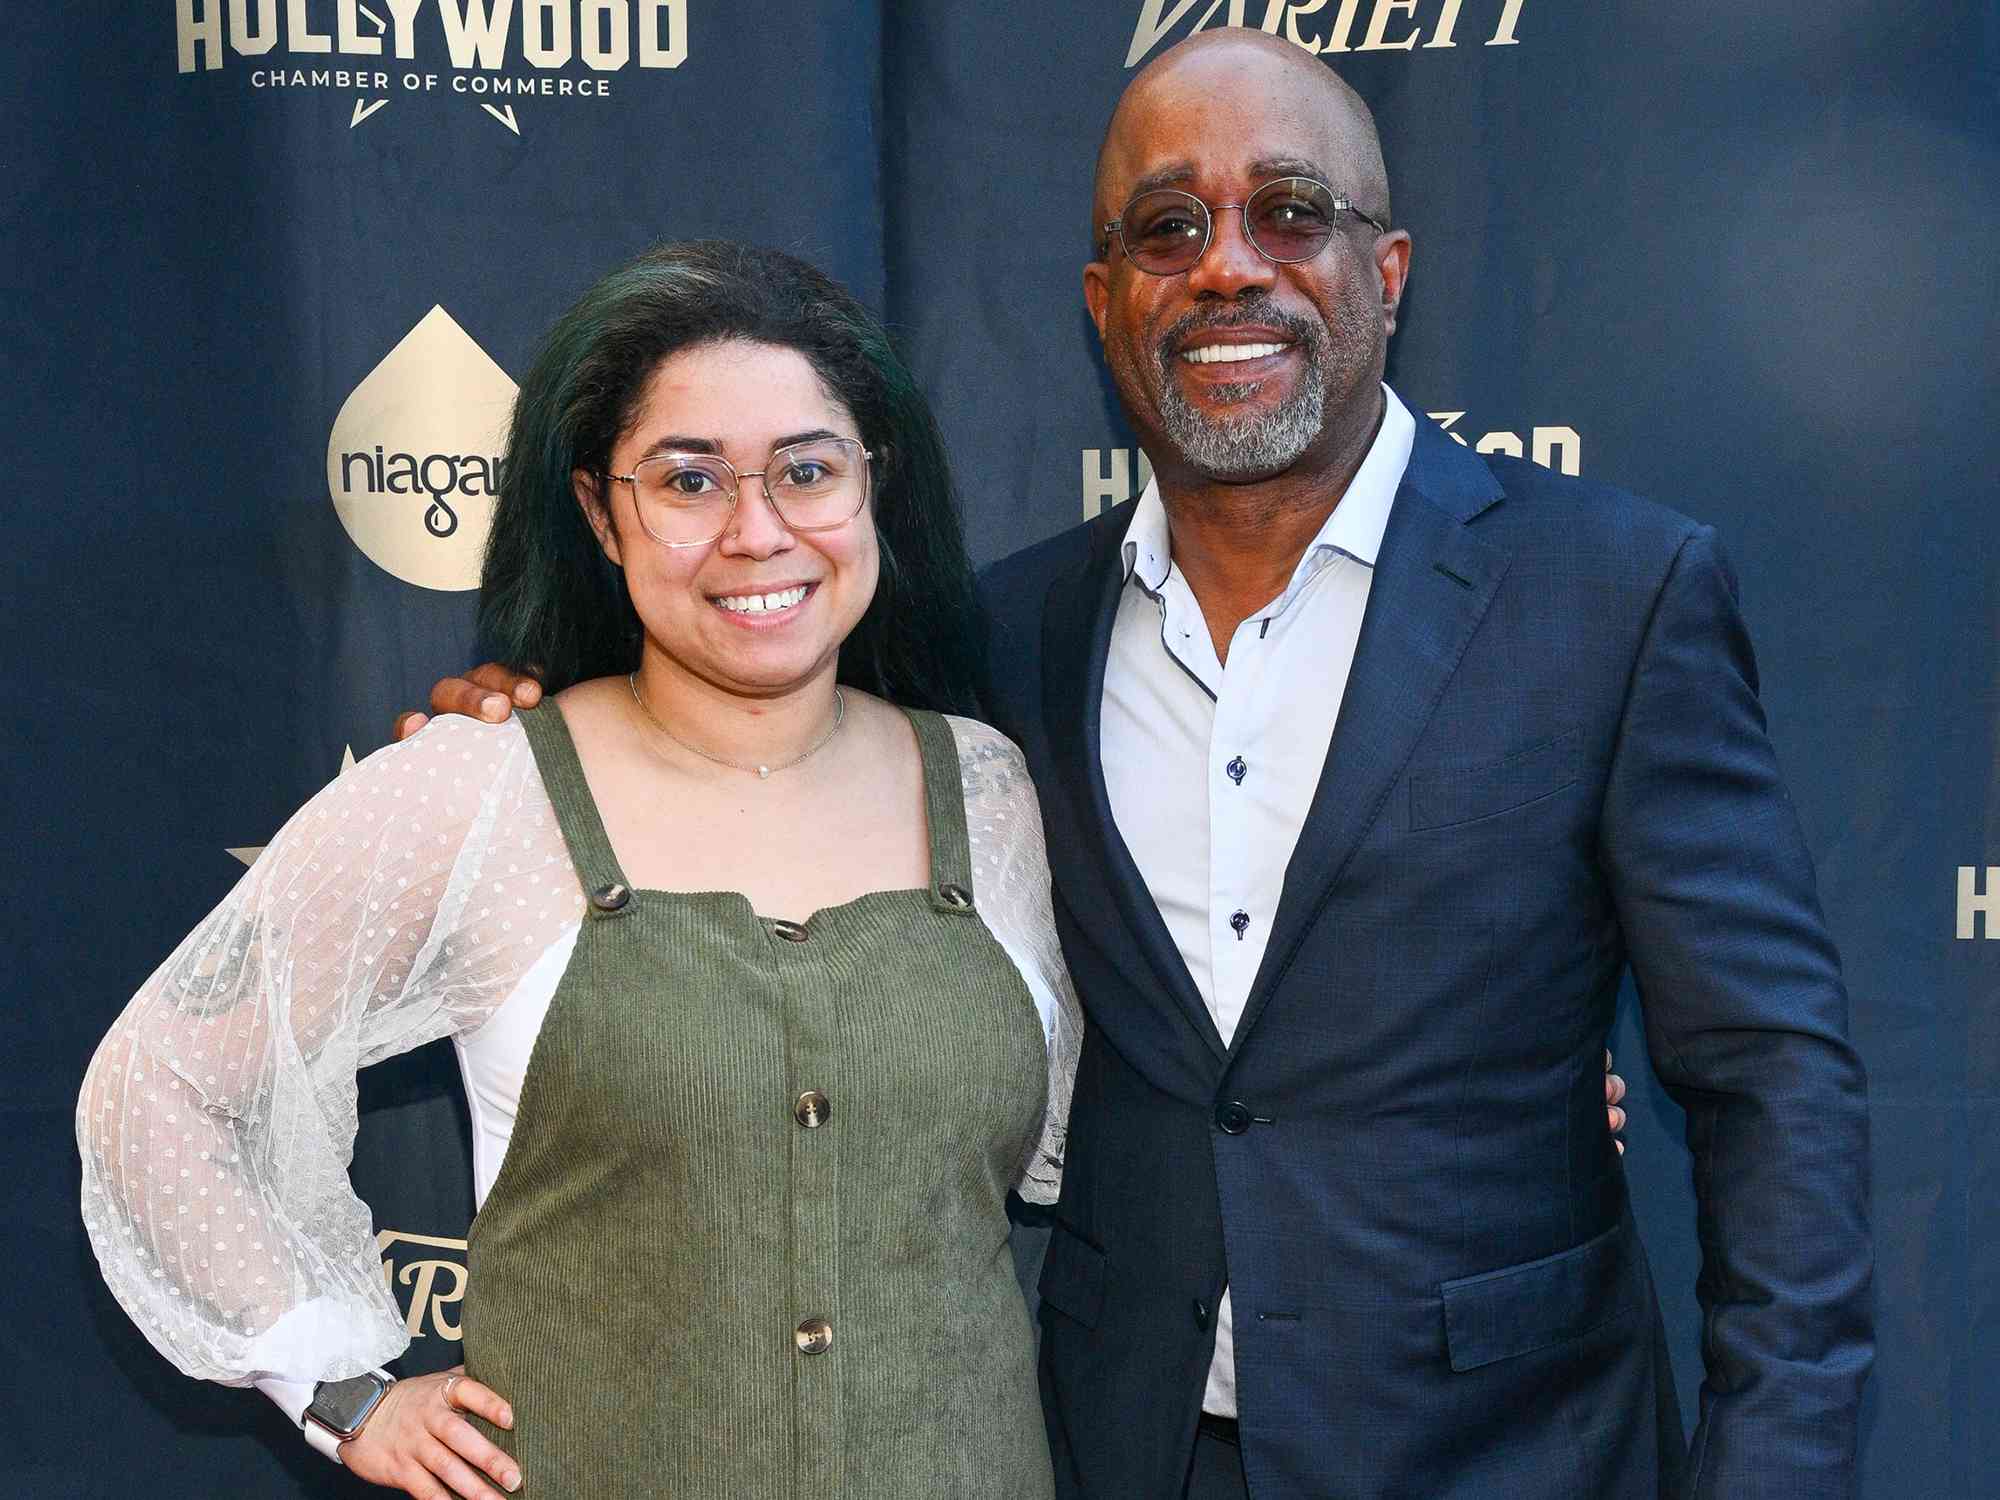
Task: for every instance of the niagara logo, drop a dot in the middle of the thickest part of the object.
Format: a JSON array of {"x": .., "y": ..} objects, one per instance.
[
  {"x": 438, "y": 475},
  {"x": 506, "y": 49},
  {"x": 1324, "y": 27},
  {"x": 412, "y": 463}
]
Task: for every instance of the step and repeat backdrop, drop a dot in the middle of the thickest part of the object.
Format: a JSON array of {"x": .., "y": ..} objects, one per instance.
[{"x": 278, "y": 263}]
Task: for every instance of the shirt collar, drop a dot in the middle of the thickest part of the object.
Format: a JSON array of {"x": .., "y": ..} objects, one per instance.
[{"x": 1354, "y": 529}]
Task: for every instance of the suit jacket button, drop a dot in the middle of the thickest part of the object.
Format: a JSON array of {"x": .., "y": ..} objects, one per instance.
[
  {"x": 813, "y": 1109},
  {"x": 1232, "y": 1118},
  {"x": 1200, "y": 1313},
  {"x": 814, "y": 1336}
]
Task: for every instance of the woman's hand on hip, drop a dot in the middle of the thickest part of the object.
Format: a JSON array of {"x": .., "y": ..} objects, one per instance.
[{"x": 418, "y": 1440}]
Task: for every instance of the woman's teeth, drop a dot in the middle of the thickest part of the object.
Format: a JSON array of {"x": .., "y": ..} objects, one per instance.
[
  {"x": 758, "y": 604},
  {"x": 1211, "y": 354}
]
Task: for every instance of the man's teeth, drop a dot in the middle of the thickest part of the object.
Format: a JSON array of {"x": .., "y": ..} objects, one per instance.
[
  {"x": 757, "y": 604},
  {"x": 1215, "y": 354}
]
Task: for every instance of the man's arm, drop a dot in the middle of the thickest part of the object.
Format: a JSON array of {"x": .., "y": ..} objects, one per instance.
[
  {"x": 1746, "y": 1018},
  {"x": 488, "y": 692}
]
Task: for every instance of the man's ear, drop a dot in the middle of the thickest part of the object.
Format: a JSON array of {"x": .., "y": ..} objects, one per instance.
[
  {"x": 1097, "y": 292},
  {"x": 589, "y": 490},
  {"x": 1392, "y": 261}
]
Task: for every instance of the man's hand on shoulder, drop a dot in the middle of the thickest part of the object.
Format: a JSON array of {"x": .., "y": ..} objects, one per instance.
[
  {"x": 488, "y": 692},
  {"x": 1614, "y": 1095}
]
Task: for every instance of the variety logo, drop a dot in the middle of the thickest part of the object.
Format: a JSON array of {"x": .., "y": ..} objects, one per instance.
[
  {"x": 426, "y": 1275},
  {"x": 479, "y": 50},
  {"x": 413, "y": 461},
  {"x": 1324, "y": 27}
]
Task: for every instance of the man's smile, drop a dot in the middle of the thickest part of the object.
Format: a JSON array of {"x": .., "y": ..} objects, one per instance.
[
  {"x": 1219, "y": 353},
  {"x": 1223, "y": 355}
]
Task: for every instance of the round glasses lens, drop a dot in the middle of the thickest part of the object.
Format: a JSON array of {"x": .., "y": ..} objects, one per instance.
[
  {"x": 683, "y": 497},
  {"x": 1164, "y": 232},
  {"x": 819, "y": 484},
  {"x": 1290, "y": 219}
]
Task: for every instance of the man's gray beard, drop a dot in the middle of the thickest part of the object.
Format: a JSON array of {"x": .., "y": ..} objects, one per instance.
[{"x": 1250, "y": 446}]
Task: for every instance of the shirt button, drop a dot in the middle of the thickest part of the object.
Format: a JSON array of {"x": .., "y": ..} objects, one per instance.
[
  {"x": 791, "y": 932},
  {"x": 814, "y": 1336},
  {"x": 813, "y": 1109},
  {"x": 1239, "y": 921},
  {"x": 1232, "y": 1118},
  {"x": 1238, "y": 769}
]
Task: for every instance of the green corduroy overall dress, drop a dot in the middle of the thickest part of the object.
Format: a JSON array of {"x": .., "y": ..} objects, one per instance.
[{"x": 750, "y": 1239}]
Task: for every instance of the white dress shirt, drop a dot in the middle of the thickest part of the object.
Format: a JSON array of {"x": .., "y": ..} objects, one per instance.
[{"x": 1211, "y": 771}]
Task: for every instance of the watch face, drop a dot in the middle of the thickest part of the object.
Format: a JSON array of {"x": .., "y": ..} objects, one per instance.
[{"x": 342, "y": 1406}]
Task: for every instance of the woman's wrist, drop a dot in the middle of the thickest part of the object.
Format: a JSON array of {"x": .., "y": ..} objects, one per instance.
[{"x": 340, "y": 1409}]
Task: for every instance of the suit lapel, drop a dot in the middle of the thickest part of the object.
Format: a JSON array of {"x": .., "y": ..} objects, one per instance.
[
  {"x": 1432, "y": 585},
  {"x": 1094, "y": 870}
]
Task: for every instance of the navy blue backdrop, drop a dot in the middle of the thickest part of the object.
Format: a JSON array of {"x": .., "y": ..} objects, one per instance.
[{"x": 1736, "y": 257}]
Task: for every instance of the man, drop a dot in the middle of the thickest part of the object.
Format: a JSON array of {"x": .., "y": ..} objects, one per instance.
[{"x": 1367, "y": 767}]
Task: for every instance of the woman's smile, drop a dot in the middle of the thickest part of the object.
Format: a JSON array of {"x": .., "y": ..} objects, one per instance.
[{"x": 766, "y": 606}]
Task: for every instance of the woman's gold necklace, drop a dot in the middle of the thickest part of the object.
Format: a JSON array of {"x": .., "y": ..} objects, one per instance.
[{"x": 763, "y": 772}]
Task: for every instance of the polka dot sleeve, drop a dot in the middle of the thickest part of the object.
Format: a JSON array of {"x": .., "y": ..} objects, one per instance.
[
  {"x": 1010, "y": 876},
  {"x": 217, "y": 1119}
]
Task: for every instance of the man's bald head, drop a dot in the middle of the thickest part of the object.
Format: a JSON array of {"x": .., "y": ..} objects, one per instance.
[{"x": 1243, "y": 66}]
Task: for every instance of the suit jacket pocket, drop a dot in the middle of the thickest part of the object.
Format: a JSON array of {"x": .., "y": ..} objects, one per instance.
[
  {"x": 1073, "y": 1275},
  {"x": 1518, "y": 1309},
  {"x": 1446, "y": 795}
]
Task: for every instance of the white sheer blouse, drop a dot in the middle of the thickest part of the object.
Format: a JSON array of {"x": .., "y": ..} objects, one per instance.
[{"x": 426, "y": 893}]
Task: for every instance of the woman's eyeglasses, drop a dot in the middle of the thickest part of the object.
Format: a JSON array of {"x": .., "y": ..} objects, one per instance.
[{"x": 687, "y": 499}]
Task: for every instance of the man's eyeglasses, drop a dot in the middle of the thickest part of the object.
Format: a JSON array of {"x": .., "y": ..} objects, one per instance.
[
  {"x": 687, "y": 499},
  {"x": 1165, "y": 232}
]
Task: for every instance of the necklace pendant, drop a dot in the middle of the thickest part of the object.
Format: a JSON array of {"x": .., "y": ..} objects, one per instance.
[{"x": 763, "y": 773}]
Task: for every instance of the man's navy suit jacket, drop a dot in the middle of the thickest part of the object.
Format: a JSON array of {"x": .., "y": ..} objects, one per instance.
[{"x": 1550, "y": 764}]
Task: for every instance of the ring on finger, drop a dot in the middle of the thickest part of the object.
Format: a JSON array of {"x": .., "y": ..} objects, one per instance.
[{"x": 449, "y": 1381}]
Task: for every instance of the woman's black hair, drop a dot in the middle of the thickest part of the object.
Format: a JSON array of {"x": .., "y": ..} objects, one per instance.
[{"x": 551, "y": 602}]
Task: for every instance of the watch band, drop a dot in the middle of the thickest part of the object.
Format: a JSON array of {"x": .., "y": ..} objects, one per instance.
[{"x": 321, "y": 1441}]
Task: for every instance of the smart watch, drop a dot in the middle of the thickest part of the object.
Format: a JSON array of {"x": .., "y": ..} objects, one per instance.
[{"x": 340, "y": 1408}]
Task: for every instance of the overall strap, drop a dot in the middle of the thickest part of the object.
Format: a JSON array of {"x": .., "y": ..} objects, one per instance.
[
  {"x": 944, "y": 812},
  {"x": 576, "y": 813}
]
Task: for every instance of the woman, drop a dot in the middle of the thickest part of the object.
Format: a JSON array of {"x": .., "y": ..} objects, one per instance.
[{"x": 746, "y": 952}]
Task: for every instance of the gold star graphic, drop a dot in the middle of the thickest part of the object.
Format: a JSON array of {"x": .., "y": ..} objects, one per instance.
[{"x": 249, "y": 852}]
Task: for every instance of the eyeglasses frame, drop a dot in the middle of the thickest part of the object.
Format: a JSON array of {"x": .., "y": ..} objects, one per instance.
[
  {"x": 737, "y": 477},
  {"x": 1341, "y": 204}
]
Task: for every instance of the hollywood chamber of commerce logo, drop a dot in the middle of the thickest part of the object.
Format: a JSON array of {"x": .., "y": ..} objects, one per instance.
[
  {"x": 485, "y": 52},
  {"x": 1327, "y": 27},
  {"x": 413, "y": 461}
]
